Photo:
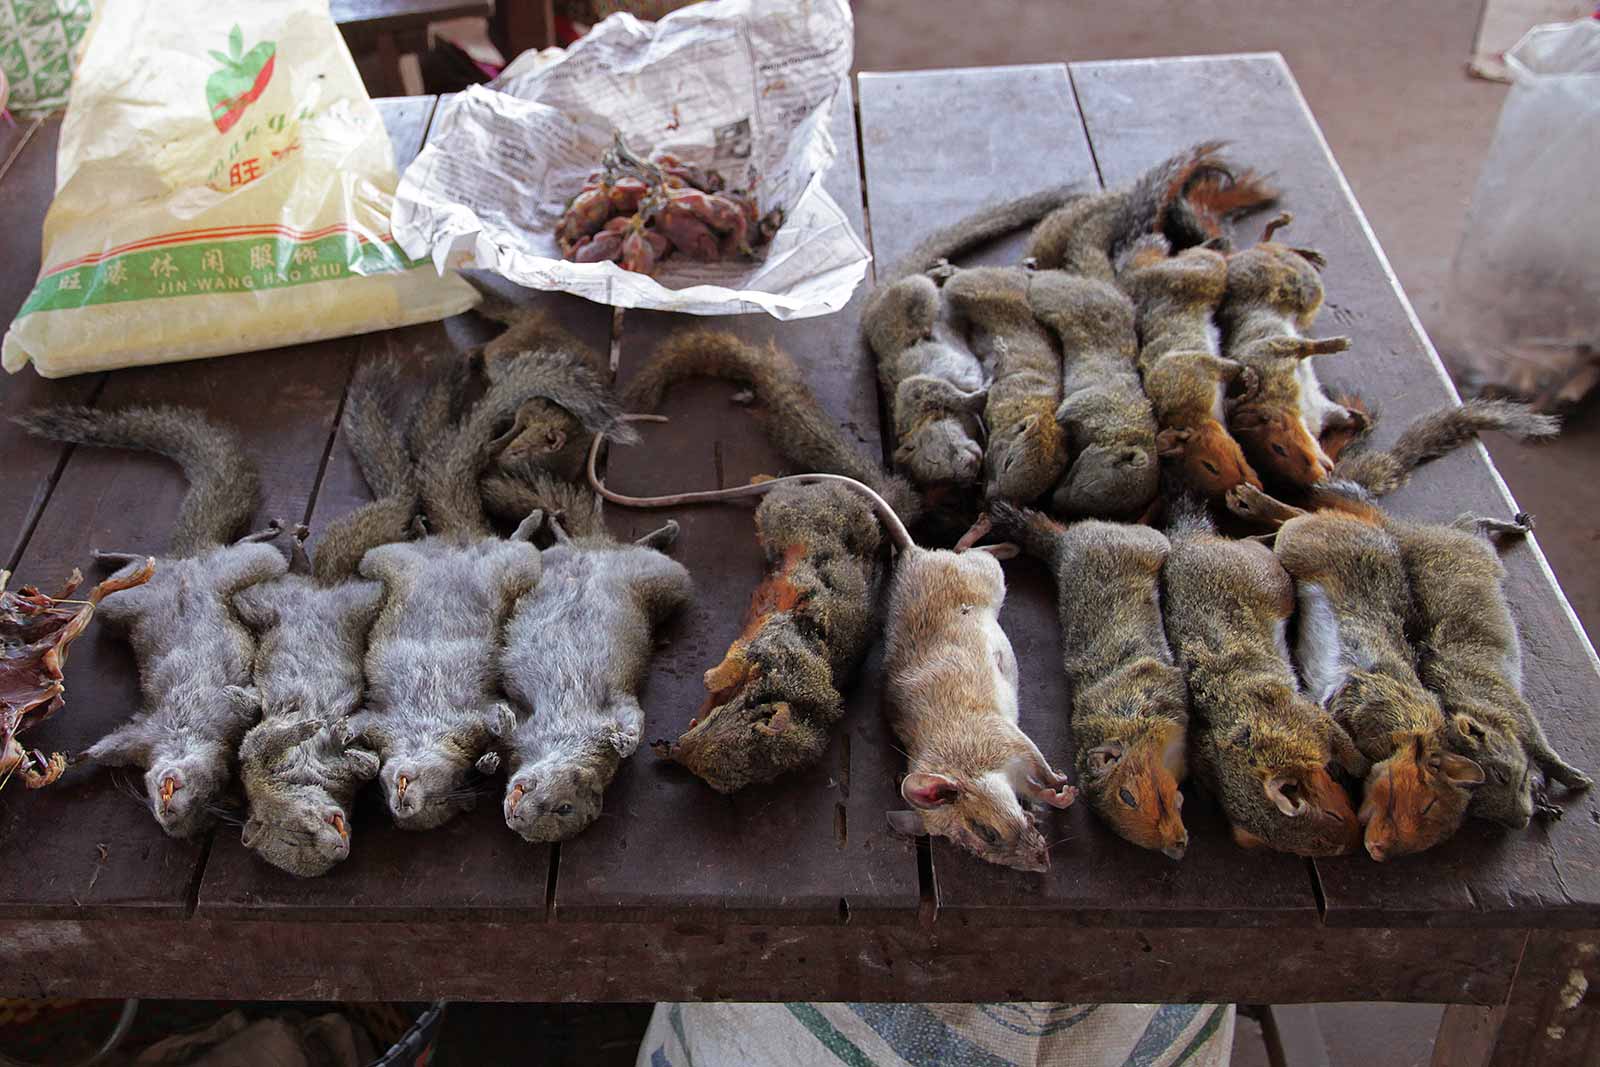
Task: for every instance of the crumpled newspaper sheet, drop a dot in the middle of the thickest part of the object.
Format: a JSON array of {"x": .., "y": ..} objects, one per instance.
[{"x": 744, "y": 86}]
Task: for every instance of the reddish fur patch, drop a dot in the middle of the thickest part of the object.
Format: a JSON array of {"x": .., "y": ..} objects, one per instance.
[{"x": 777, "y": 593}]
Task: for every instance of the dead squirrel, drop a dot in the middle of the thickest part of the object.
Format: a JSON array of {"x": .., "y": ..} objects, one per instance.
[
  {"x": 433, "y": 711},
  {"x": 1185, "y": 198},
  {"x": 299, "y": 767},
  {"x": 1109, "y": 426},
  {"x": 1256, "y": 742},
  {"x": 194, "y": 655},
  {"x": 1352, "y": 649},
  {"x": 1026, "y": 453},
  {"x": 1129, "y": 704},
  {"x": 951, "y": 675},
  {"x": 1184, "y": 374},
  {"x": 1274, "y": 294},
  {"x": 576, "y": 650},
  {"x": 777, "y": 692},
  {"x": 1367, "y": 472},
  {"x": 933, "y": 382},
  {"x": 1471, "y": 658}
]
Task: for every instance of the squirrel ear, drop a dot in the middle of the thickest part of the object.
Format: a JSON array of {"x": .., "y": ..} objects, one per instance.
[
  {"x": 1103, "y": 758},
  {"x": 924, "y": 790},
  {"x": 244, "y": 700},
  {"x": 1470, "y": 728},
  {"x": 1246, "y": 419},
  {"x": 501, "y": 721},
  {"x": 1241, "y": 737},
  {"x": 1169, "y": 443},
  {"x": 908, "y": 823},
  {"x": 1459, "y": 770},
  {"x": 251, "y": 832},
  {"x": 363, "y": 764},
  {"x": 1285, "y": 793},
  {"x": 127, "y": 746}
]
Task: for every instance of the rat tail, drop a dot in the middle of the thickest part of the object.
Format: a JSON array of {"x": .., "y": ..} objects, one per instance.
[
  {"x": 374, "y": 425},
  {"x": 1035, "y": 532},
  {"x": 1436, "y": 434},
  {"x": 223, "y": 481},
  {"x": 786, "y": 408}
]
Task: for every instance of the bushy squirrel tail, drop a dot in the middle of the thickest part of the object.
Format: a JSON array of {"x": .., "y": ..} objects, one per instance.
[
  {"x": 1437, "y": 433},
  {"x": 1188, "y": 197},
  {"x": 790, "y": 416},
  {"x": 976, "y": 229},
  {"x": 1035, "y": 532},
  {"x": 223, "y": 482},
  {"x": 374, "y": 424}
]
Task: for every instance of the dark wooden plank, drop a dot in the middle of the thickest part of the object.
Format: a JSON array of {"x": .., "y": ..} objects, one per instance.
[
  {"x": 689, "y": 961},
  {"x": 1139, "y": 111},
  {"x": 284, "y": 403},
  {"x": 921, "y": 175},
  {"x": 1549, "y": 1020},
  {"x": 27, "y": 186},
  {"x": 781, "y": 850},
  {"x": 388, "y": 16}
]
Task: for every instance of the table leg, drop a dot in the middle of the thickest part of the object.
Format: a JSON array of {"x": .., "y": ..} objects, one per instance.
[{"x": 1547, "y": 1019}]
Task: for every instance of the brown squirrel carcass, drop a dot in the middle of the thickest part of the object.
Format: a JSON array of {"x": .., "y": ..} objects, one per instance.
[
  {"x": 35, "y": 632},
  {"x": 774, "y": 696}
]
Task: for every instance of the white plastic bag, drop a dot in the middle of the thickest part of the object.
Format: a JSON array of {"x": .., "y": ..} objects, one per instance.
[
  {"x": 1523, "y": 307},
  {"x": 223, "y": 184}
]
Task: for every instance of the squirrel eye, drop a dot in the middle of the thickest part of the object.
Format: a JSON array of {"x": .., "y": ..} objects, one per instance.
[
  {"x": 1280, "y": 450},
  {"x": 988, "y": 835},
  {"x": 1429, "y": 806},
  {"x": 1127, "y": 798},
  {"x": 1212, "y": 467},
  {"x": 565, "y": 809}
]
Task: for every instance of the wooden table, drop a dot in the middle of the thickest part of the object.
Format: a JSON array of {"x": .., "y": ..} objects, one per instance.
[
  {"x": 797, "y": 890},
  {"x": 393, "y": 28}
]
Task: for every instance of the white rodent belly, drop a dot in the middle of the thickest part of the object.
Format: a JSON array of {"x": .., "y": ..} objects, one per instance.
[
  {"x": 1321, "y": 660},
  {"x": 1315, "y": 406}
]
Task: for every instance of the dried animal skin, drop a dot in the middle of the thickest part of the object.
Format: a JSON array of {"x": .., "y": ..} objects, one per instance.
[{"x": 35, "y": 632}]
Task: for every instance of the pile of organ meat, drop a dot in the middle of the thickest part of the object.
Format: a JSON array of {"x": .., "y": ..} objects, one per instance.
[{"x": 637, "y": 212}]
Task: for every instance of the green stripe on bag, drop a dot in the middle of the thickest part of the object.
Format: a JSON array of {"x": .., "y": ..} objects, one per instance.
[{"x": 829, "y": 1035}]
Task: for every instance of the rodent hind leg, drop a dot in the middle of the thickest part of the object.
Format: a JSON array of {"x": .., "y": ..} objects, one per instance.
[
  {"x": 532, "y": 523},
  {"x": 661, "y": 537},
  {"x": 1521, "y": 525}
]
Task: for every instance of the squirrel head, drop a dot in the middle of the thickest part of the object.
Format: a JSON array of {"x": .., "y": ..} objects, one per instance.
[
  {"x": 1278, "y": 443},
  {"x": 1112, "y": 479},
  {"x": 427, "y": 780},
  {"x": 1506, "y": 795},
  {"x": 1132, "y": 781},
  {"x": 1025, "y": 458},
  {"x": 979, "y": 813},
  {"x": 299, "y": 777},
  {"x": 1282, "y": 794},
  {"x": 560, "y": 793},
  {"x": 543, "y": 436},
  {"x": 1212, "y": 461},
  {"x": 1416, "y": 798}
]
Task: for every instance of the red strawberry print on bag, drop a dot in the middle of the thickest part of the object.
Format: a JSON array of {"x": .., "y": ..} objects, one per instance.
[{"x": 243, "y": 77}]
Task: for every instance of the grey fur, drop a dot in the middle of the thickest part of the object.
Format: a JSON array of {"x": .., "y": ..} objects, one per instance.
[
  {"x": 576, "y": 650},
  {"x": 194, "y": 655}
]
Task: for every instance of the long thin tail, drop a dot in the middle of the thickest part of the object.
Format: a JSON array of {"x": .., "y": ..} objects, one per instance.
[
  {"x": 223, "y": 481},
  {"x": 786, "y": 408},
  {"x": 375, "y": 418},
  {"x": 1037, "y": 533},
  {"x": 1188, "y": 196},
  {"x": 1437, "y": 433},
  {"x": 976, "y": 229}
]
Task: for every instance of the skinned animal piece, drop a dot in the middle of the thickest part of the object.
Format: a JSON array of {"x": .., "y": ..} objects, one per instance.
[
  {"x": 1185, "y": 199},
  {"x": 1274, "y": 293},
  {"x": 951, "y": 686},
  {"x": 1256, "y": 742},
  {"x": 1027, "y": 448},
  {"x": 934, "y": 382},
  {"x": 1129, "y": 704},
  {"x": 300, "y": 766},
  {"x": 1184, "y": 374},
  {"x": 1353, "y": 652},
  {"x": 576, "y": 651},
  {"x": 1109, "y": 426},
  {"x": 194, "y": 655},
  {"x": 1471, "y": 658}
]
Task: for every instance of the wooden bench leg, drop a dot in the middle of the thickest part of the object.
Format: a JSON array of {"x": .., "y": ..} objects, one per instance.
[{"x": 1547, "y": 1020}]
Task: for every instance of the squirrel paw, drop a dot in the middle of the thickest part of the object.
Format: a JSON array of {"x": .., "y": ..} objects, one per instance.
[{"x": 1061, "y": 797}]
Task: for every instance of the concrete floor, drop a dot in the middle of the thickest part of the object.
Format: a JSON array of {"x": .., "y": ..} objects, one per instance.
[{"x": 1387, "y": 82}]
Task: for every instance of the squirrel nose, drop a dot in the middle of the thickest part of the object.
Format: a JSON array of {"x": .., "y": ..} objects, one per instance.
[
  {"x": 1377, "y": 850},
  {"x": 1175, "y": 852}
]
